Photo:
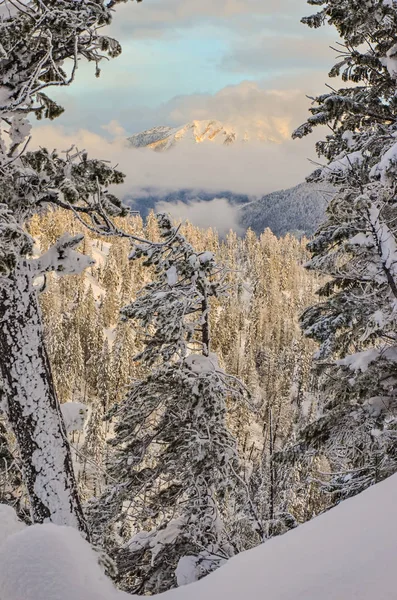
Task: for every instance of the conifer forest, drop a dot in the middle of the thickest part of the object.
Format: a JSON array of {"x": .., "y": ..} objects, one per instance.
[{"x": 171, "y": 395}]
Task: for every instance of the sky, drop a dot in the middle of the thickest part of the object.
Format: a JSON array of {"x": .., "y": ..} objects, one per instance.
[{"x": 243, "y": 62}]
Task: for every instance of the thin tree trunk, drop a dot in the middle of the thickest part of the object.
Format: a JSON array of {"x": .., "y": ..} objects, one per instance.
[
  {"x": 271, "y": 472},
  {"x": 206, "y": 334},
  {"x": 32, "y": 406}
]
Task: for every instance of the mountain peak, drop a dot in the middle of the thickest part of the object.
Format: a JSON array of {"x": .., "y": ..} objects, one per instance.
[{"x": 196, "y": 132}]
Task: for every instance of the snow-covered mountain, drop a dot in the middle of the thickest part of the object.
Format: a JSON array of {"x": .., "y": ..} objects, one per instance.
[
  {"x": 298, "y": 210},
  {"x": 164, "y": 138}
]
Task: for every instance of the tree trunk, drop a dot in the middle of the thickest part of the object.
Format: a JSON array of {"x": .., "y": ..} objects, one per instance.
[
  {"x": 271, "y": 473},
  {"x": 205, "y": 327},
  {"x": 32, "y": 407}
]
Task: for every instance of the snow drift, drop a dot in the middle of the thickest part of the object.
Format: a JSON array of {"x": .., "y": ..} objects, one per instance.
[
  {"x": 50, "y": 562},
  {"x": 346, "y": 554}
]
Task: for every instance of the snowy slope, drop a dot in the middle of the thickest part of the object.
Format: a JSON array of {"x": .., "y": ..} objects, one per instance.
[
  {"x": 346, "y": 554},
  {"x": 298, "y": 210},
  {"x": 164, "y": 138}
]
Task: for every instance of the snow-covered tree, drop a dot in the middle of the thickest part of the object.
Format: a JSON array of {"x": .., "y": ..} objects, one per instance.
[
  {"x": 93, "y": 450},
  {"x": 180, "y": 494},
  {"x": 123, "y": 352},
  {"x": 356, "y": 248},
  {"x": 111, "y": 284},
  {"x": 42, "y": 42},
  {"x": 105, "y": 380}
]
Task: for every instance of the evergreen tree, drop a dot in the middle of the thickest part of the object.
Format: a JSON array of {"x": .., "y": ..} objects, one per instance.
[
  {"x": 124, "y": 369},
  {"x": 356, "y": 248},
  {"x": 111, "y": 283},
  {"x": 105, "y": 379},
  {"x": 180, "y": 493},
  {"x": 90, "y": 328},
  {"x": 255, "y": 334},
  {"x": 93, "y": 450}
]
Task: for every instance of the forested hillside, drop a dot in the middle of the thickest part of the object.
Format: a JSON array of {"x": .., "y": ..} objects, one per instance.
[
  {"x": 255, "y": 333},
  {"x": 299, "y": 210},
  {"x": 98, "y": 356}
]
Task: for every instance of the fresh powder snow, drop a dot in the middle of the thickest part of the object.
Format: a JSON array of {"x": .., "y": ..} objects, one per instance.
[
  {"x": 75, "y": 415},
  {"x": 345, "y": 554}
]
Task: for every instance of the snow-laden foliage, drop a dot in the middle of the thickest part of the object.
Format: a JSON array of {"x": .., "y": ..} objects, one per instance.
[
  {"x": 176, "y": 304},
  {"x": 180, "y": 494},
  {"x": 37, "y": 37},
  {"x": 74, "y": 415},
  {"x": 356, "y": 247}
]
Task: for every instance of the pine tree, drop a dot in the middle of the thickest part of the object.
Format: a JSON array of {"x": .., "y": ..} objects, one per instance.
[
  {"x": 105, "y": 379},
  {"x": 356, "y": 248},
  {"x": 90, "y": 328},
  {"x": 255, "y": 334},
  {"x": 124, "y": 368},
  {"x": 93, "y": 450},
  {"x": 111, "y": 283},
  {"x": 180, "y": 488}
]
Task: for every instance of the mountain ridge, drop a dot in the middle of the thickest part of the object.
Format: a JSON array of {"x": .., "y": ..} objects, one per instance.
[
  {"x": 164, "y": 137},
  {"x": 298, "y": 210}
]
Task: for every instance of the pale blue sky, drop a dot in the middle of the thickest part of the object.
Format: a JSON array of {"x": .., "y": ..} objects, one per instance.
[{"x": 182, "y": 48}]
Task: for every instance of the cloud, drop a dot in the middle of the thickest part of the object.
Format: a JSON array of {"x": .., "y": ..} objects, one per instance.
[
  {"x": 248, "y": 106},
  {"x": 114, "y": 129},
  {"x": 158, "y": 18},
  {"x": 179, "y": 47},
  {"x": 264, "y": 103},
  {"x": 217, "y": 213},
  {"x": 276, "y": 105},
  {"x": 272, "y": 51},
  {"x": 252, "y": 168}
]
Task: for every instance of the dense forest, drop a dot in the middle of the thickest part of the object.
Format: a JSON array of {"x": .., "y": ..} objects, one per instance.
[{"x": 96, "y": 357}]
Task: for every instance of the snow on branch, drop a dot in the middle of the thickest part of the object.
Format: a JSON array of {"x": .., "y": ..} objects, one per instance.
[{"x": 62, "y": 258}]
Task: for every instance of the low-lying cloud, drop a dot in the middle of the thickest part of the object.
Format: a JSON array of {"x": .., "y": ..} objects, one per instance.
[
  {"x": 248, "y": 106},
  {"x": 247, "y": 168},
  {"x": 217, "y": 213}
]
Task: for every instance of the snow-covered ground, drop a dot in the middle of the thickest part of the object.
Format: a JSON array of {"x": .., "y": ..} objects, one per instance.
[{"x": 349, "y": 553}]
